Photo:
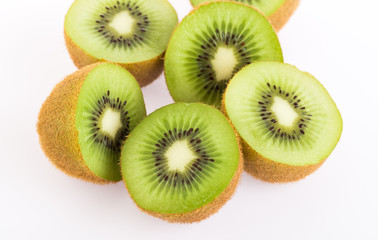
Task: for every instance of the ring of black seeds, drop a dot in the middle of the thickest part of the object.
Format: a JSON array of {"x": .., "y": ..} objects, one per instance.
[
  {"x": 205, "y": 53},
  {"x": 271, "y": 123},
  {"x": 115, "y": 39},
  {"x": 197, "y": 170},
  {"x": 107, "y": 102}
]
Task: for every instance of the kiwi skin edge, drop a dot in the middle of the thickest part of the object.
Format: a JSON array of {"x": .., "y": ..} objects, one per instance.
[
  {"x": 274, "y": 172},
  {"x": 144, "y": 72},
  {"x": 266, "y": 169},
  {"x": 56, "y": 127},
  {"x": 279, "y": 18},
  {"x": 209, "y": 209}
]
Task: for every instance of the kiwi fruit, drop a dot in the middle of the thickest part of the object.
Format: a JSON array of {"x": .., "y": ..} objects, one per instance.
[
  {"x": 132, "y": 33},
  {"x": 182, "y": 162},
  {"x": 286, "y": 119},
  {"x": 277, "y": 11},
  {"x": 211, "y": 44},
  {"x": 86, "y": 118}
]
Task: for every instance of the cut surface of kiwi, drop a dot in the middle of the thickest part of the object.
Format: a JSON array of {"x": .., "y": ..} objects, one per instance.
[
  {"x": 86, "y": 119},
  {"x": 288, "y": 121},
  {"x": 129, "y": 32},
  {"x": 277, "y": 11},
  {"x": 267, "y": 7},
  {"x": 181, "y": 163},
  {"x": 213, "y": 43}
]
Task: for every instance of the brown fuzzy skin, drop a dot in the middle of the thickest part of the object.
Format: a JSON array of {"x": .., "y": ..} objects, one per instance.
[
  {"x": 274, "y": 172},
  {"x": 208, "y": 209},
  {"x": 266, "y": 169},
  {"x": 56, "y": 127},
  {"x": 280, "y": 17},
  {"x": 144, "y": 72}
]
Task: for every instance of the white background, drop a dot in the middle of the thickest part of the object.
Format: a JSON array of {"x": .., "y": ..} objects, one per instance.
[{"x": 336, "y": 41}]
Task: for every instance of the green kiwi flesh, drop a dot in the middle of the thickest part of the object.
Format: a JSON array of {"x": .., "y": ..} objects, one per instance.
[
  {"x": 109, "y": 106},
  {"x": 283, "y": 114},
  {"x": 121, "y": 31},
  {"x": 179, "y": 158},
  {"x": 213, "y": 43},
  {"x": 268, "y": 7}
]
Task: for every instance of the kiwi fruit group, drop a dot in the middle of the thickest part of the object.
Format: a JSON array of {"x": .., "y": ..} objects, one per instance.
[
  {"x": 211, "y": 44},
  {"x": 132, "y": 33},
  {"x": 182, "y": 162},
  {"x": 86, "y": 118},
  {"x": 277, "y": 11},
  {"x": 286, "y": 119}
]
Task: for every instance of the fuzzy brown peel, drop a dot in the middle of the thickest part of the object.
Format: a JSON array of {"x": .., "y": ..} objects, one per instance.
[
  {"x": 280, "y": 17},
  {"x": 274, "y": 172},
  {"x": 56, "y": 127},
  {"x": 144, "y": 72}
]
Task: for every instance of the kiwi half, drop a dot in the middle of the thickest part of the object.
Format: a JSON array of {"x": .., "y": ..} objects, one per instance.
[
  {"x": 132, "y": 33},
  {"x": 213, "y": 43},
  {"x": 182, "y": 162},
  {"x": 86, "y": 118},
  {"x": 277, "y": 11},
  {"x": 287, "y": 120}
]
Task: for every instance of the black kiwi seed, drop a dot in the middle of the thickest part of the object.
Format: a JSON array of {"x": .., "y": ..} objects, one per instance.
[
  {"x": 115, "y": 39},
  {"x": 194, "y": 172},
  {"x": 272, "y": 124},
  {"x": 207, "y": 49},
  {"x": 104, "y": 103}
]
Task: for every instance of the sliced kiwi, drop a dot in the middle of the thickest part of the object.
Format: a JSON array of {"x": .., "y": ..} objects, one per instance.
[
  {"x": 181, "y": 163},
  {"x": 213, "y": 43},
  {"x": 87, "y": 117},
  {"x": 287, "y": 120},
  {"x": 133, "y": 33},
  {"x": 277, "y": 11}
]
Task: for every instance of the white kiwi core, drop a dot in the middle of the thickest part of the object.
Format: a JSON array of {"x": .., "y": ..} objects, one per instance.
[
  {"x": 111, "y": 122},
  {"x": 123, "y": 23},
  {"x": 224, "y": 63},
  {"x": 179, "y": 155},
  {"x": 285, "y": 113}
]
